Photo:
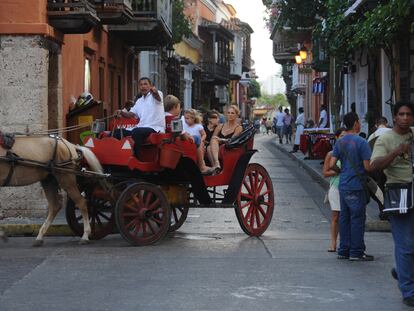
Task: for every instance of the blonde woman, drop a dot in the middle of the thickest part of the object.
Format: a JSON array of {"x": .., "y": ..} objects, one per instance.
[
  {"x": 222, "y": 134},
  {"x": 194, "y": 131}
]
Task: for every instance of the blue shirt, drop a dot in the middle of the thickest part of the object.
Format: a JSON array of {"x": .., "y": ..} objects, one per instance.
[{"x": 357, "y": 150}]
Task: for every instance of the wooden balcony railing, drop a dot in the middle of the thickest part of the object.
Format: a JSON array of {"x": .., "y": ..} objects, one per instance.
[
  {"x": 114, "y": 11},
  {"x": 217, "y": 73},
  {"x": 72, "y": 16},
  {"x": 151, "y": 24}
]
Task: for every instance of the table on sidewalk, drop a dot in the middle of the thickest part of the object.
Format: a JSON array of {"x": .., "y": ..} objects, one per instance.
[{"x": 316, "y": 142}]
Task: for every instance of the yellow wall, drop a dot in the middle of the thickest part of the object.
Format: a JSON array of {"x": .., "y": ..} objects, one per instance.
[{"x": 185, "y": 50}]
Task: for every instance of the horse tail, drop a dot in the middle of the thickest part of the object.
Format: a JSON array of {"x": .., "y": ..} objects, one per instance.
[{"x": 91, "y": 159}]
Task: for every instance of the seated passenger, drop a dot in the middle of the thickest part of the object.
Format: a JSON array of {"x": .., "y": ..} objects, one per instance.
[
  {"x": 172, "y": 110},
  {"x": 222, "y": 134},
  {"x": 149, "y": 109},
  {"x": 194, "y": 131},
  {"x": 212, "y": 121}
]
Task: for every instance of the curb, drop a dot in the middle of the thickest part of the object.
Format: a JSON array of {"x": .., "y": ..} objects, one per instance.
[
  {"x": 28, "y": 230},
  {"x": 370, "y": 226}
]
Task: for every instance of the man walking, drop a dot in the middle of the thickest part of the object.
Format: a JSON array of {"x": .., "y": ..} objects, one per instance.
[
  {"x": 354, "y": 154},
  {"x": 300, "y": 125},
  {"x": 392, "y": 153},
  {"x": 278, "y": 123}
]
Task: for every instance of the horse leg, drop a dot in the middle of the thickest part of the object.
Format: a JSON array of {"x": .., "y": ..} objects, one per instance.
[
  {"x": 50, "y": 188},
  {"x": 68, "y": 183}
]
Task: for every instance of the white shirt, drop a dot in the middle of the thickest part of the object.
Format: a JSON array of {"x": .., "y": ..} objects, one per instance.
[
  {"x": 378, "y": 132},
  {"x": 150, "y": 112},
  {"x": 323, "y": 116},
  {"x": 300, "y": 120},
  {"x": 279, "y": 118},
  {"x": 193, "y": 130}
]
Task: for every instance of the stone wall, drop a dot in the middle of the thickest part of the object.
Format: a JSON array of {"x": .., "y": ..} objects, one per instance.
[{"x": 24, "y": 65}]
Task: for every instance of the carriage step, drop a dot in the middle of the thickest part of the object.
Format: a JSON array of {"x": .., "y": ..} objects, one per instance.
[{"x": 217, "y": 205}]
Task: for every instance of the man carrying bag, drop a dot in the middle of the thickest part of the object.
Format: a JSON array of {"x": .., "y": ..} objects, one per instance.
[{"x": 392, "y": 153}]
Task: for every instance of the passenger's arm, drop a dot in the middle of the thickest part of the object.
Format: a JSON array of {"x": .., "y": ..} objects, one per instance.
[
  {"x": 217, "y": 131},
  {"x": 155, "y": 94},
  {"x": 126, "y": 114},
  {"x": 332, "y": 164},
  {"x": 203, "y": 135},
  {"x": 237, "y": 130}
]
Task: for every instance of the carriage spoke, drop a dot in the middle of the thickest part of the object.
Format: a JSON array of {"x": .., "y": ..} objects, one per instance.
[
  {"x": 250, "y": 197},
  {"x": 266, "y": 192},
  {"x": 256, "y": 212},
  {"x": 175, "y": 215},
  {"x": 261, "y": 211},
  {"x": 154, "y": 204},
  {"x": 136, "y": 200},
  {"x": 150, "y": 226},
  {"x": 249, "y": 212},
  {"x": 262, "y": 182},
  {"x": 148, "y": 198},
  {"x": 249, "y": 190},
  {"x": 103, "y": 215},
  {"x": 131, "y": 207},
  {"x": 252, "y": 216},
  {"x": 245, "y": 205}
]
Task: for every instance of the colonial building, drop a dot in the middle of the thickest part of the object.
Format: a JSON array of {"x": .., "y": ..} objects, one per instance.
[{"x": 51, "y": 51}]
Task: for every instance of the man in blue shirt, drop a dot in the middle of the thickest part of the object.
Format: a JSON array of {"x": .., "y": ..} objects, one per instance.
[{"x": 354, "y": 154}]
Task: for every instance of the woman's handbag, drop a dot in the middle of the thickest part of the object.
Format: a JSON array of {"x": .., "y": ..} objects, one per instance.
[{"x": 398, "y": 198}]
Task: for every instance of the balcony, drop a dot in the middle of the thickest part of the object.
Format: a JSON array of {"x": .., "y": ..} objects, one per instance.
[
  {"x": 150, "y": 27},
  {"x": 215, "y": 73},
  {"x": 235, "y": 70},
  {"x": 114, "y": 12},
  {"x": 246, "y": 61},
  {"x": 72, "y": 16},
  {"x": 299, "y": 79}
]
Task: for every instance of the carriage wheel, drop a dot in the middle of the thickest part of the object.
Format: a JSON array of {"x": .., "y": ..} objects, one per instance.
[
  {"x": 142, "y": 214},
  {"x": 100, "y": 210},
  {"x": 178, "y": 217},
  {"x": 255, "y": 201}
]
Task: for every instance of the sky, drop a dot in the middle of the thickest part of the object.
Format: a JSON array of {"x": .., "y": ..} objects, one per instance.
[{"x": 252, "y": 12}]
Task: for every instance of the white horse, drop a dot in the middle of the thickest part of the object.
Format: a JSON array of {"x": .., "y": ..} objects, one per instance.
[{"x": 43, "y": 149}]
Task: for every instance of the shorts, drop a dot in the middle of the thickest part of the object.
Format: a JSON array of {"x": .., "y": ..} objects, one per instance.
[{"x": 333, "y": 197}]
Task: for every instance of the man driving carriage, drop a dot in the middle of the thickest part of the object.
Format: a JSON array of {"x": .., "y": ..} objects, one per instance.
[{"x": 149, "y": 109}]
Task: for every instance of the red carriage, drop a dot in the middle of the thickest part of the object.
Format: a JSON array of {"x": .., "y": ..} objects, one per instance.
[{"x": 144, "y": 199}]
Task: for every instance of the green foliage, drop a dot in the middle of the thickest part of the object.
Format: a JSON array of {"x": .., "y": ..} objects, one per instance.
[
  {"x": 273, "y": 100},
  {"x": 254, "y": 89},
  {"x": 181, "y": 25},
  {"x": 294, "y": 13}
]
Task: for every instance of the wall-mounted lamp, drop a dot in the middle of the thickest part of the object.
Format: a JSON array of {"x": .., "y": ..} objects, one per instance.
[
  {"x": 298, "y": 59},
  {"x": 303, "y": 53},
  {"x": 170, "y": 50}
]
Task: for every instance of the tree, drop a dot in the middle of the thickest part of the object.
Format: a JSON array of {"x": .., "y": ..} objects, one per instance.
[
  {"x": 254, "y": 89},
  {"x": 273, "y": 100},
  {"x": 181, "y": 24}
]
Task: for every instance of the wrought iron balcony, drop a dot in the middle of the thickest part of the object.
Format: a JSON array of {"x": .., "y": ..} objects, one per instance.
[
  {"x": 151, "y": 24},
  {"x": 215, "y": 73},
  {"x": 72, "y": 16},
  {"x": 116, "y": 12}
]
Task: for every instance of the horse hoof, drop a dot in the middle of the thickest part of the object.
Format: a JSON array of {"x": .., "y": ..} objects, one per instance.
[
  {"x": 37, "y": 243},
  {"x": 84, "y": 242}
]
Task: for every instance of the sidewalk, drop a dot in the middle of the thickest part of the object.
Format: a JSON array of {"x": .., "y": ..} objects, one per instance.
[{"x": 314, "y": 168}]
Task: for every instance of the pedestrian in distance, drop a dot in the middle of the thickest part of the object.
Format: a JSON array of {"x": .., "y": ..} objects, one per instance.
[
  {"x": 287, "y": 126},
  {"x": 300, "y": 125},
  {"x": 393, "y": 154},
  {"x": 269, "y": 126},
  {"x": 333, "y": 193},
  {"x": 323, "y": 117},
  {"x": 278, "y": 123},
  {"x": 354, "y": 154}
]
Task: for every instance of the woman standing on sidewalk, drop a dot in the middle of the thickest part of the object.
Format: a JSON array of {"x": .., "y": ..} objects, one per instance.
[{"x": 333, "y": 193}]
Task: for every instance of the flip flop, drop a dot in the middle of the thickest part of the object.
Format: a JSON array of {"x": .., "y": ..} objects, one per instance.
[{"x": 331, "y": 250}]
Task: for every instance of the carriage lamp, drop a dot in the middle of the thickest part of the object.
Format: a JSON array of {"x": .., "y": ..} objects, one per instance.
[{"x": 298, "y": 59}]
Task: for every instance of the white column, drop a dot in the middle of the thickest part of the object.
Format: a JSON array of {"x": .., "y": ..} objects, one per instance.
[
  {"x": 188, "y": 80},
  {"x": 385, "y": 87}
]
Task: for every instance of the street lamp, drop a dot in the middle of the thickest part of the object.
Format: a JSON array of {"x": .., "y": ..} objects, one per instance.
[
  {"x": 170, "y": 50},
  {"x": 303, "y": 53}
]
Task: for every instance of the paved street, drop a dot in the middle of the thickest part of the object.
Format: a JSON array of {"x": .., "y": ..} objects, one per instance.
[{"x": 210, "y": 264}]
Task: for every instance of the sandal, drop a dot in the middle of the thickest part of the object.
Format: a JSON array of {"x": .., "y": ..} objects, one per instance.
[{"x": 208, "y": 171}]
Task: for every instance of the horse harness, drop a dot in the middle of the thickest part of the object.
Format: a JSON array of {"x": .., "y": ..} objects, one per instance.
[{"x": 7, "y": 141}]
